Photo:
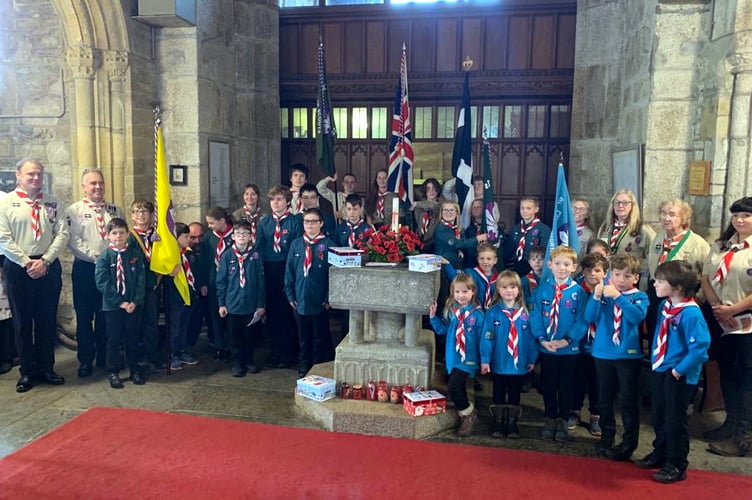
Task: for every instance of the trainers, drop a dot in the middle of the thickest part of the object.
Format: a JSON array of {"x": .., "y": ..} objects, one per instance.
[
  {"x": 187, "y": 359},
  {"x": 573, "y": 421},
  {"x": 549, "y": 428},
  {"x": 176, "y": 365},
  {"x": 595, "y": 425}
]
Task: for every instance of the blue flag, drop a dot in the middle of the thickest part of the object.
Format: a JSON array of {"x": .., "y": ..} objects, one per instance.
[{"x": 563, "y": 227}]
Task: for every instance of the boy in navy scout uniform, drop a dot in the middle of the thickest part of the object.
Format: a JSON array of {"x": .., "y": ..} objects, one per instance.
[
  {"x": 557, "y": 322},
  {"x": 530, "y": 281},
  {"x": 120, "y": 276},
  {"x": 310, "y": 198},
  {"x": 528, "y": 233},
  {"x": 307, "y": 290},
  {"x": 87, "y": 221},
  {"x": 276, "y": 232},
  {"x": 617, "y": 309},
  {"x": 680, "y": 348},
  {"x": 349, "y": 230},
  {"x": 240, "y": 293},
  {"x": 142, "y": 237}
]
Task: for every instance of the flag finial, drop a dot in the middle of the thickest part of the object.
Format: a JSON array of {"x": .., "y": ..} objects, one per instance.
[
  {"x": 157, "y": 110},
  {"x": 467, "y": 63}
]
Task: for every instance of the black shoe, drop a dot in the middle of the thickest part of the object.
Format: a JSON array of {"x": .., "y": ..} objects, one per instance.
[
  {"x": 85, "y": 370},
  {"x": 5, "y": 367},
  {"x": 115, "y": 381},
  {"x": 24, "y": 384},
  {"x": 222, "y": 355},
  {"x": 253, "y": 368},
  {"x": 238, "y": 370},
  {"x": 52, "y": 378},
  {"x": 137, "y": 377},
  {"x": 670, "y": 474},
  {"x": 650, "y": 461},
  {"x": 619, "y": 453}
]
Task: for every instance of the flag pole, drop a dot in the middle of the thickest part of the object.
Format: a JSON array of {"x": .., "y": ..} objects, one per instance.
[
  {"x": 336, "y": 191},
  {"x": 158, "y": 123}
]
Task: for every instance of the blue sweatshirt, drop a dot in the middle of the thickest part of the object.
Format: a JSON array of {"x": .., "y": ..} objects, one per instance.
[
  {"x": 687, "y": 343},
  {"x": 493, "y": 345},
  {"x": 526, "y": 291},
  {"x": 473, "y": 327},
  {"x": 634, "y": 307},
  {"x": 571, "y": 325},
  {"x": 477, "y": 275}
]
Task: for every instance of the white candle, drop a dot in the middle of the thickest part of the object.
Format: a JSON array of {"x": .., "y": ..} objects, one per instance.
[{"x": 395, "y": 214}]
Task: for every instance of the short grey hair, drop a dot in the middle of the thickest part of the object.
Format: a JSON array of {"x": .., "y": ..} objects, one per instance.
[
  {"x": 24, "y": 161},
  {"x": 88, "y": 171}
]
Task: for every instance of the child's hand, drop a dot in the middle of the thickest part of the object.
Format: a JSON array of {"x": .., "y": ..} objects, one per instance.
[
  {"x": 560, "y": 344},
  {"x": 598, "y": 291},
  {"x": 432, "y": 309},
  {"x": 294, "y": 304},
  {"x": 261, "y": 311},
  {"x": 482, "y": 237},
  {"x": 549, "y": 345},
  {"x": 124, "y": 306},
  {"x": 485, "y": 368},
  {"x": 676, "y": 374},
  {"x": 530, "y": 367},
  {"x": 222, "y": 311},
  {"x": 204, "y": 291},
  {"x": 131, "y": 307},
  {"x": 610, "y": 291}
]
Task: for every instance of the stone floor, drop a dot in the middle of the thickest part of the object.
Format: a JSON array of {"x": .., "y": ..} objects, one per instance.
[{"x": 208, "y": 389}]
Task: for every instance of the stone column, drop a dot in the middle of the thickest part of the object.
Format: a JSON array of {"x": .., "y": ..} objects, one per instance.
[
  {"x": 82, "y": 65},
  {"x": 116, "y": 64},
  {"x": 738, "y": 164}
]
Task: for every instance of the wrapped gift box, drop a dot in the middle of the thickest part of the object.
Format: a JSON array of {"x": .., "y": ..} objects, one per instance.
[
  {"x": 419, "y": 404},
  {"x": 424, "y": 263},
  {"x": 317, "y": 388},
  {"x": 344, "y": 257}
]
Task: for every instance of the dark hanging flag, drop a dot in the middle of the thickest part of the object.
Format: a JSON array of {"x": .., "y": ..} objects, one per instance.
[
  {"x": 490, "y": 224},
  {"x": 462, "y": 166},
  {"x": 326, "y": 131},
  {"x": 401, "y": 155}
]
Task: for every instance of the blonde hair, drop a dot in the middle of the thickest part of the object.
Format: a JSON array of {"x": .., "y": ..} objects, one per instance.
[
  {"x": 685, "y": 211},
  {"x": 563, "y": 251},
  {"x": 509, "y": 278},
  {"x": 469, "y": 282},
  {"x": 456, "y": 206},
  {"x": 634, "y": 221}
]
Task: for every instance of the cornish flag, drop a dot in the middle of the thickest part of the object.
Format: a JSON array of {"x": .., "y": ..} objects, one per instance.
[
  {"x": 401, "y": 153},
  {"x": 462, "y": 163}
]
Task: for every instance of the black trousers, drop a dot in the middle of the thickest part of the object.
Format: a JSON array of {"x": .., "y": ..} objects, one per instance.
[
  {"x": 280, "y": 317},
  {"x": 87, "y": 302},
  {"x": 149, "y": 331},
  {"x": 585, "y": 382},
  {"x": 200, "y": 315},
  {"x": 241, "y": 335},
  {"x": 557, "y": 374},
  {"x": 315, "y": 339},
  {"x": 670, "y": 398},
  {"x": 34, "y": 305},
  {"x": 457, "y": 389},
  {"x": 122, "y": 330},
  {"x": 619, "y": 376},
  {"x": 507, "y": 389}
]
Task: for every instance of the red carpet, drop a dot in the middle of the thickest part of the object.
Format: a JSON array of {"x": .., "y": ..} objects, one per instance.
[{"x": 112, "y": 453}]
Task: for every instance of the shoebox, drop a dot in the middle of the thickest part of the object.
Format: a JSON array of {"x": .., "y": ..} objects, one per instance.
[
  {"x": 344, "y": 256},
  {"x": 317, "y": 388},
  {"x": 420, "y": 404},
  {"x": 424, "y": 263}
]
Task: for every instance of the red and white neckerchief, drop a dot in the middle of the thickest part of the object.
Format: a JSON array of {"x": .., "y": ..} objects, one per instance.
[
  {"x": 513, "y": 337},
  {"x": 618, "y": 313},
  {"x": 459, "y": 334},
  {"x": 190, "y": 278},
  {"x": 553, "y": 319},
  {"x": 221, "y": 244},
  {"x": 524, "y": 229},
  {"x": 98, "y": 209},
  {"x": 252, "y": 217},
  {"x": 580, "y": 226},
  {"x": 146, "y": 238},
  {"x": 489, "y": 283},
  {"x": 453, "y": 227},
  {"x": 34, "y": 205},
  {"x": 425, "y": 221},
  {"x": 380, "y": 205},
  {"x": 119, "y": 269},
  {"x": 668, "y": 245},
  {"x": 298, "y": 200},
  {"x": 308, "y": 260},
  {"x": 532, "y": 280},
  {"x": 668, "y": 312},
  {"x": 619, "y": 226},
  {"x": 277, "y": 242},
  {"x": 241, "y": 256},
  {"x": 352, "y": 228},
  {"x": 725, "y": 264}
]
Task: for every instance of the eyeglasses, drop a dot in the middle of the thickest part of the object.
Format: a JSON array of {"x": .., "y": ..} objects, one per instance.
[
  {"x": 620, "y": 203},
  {"x": 580, "y": 209},
  {"x": 311, "y": 221},
  {"x": 242, "y": 233},
  {"x": 448, "y": 210},
  {"x": 664, "y": 215}
]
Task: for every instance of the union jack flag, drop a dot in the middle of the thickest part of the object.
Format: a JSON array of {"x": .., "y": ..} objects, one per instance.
[{"x": 401, "y": 154}]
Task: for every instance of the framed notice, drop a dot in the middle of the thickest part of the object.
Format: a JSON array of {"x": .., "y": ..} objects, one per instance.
[
  {"x": 178, "y": 175},
  {"x": 219, "y": 174},
  {"x": 698, "y": 178},
  {"x": 627, "y": 169}
]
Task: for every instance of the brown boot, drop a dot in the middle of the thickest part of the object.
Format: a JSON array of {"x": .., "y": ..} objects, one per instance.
[
  {"x": 469, "y": 419},
  {"x": 741, "y": 444}
]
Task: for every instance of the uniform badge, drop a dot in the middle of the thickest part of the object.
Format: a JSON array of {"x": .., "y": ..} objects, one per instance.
[
  {"x": 489, "y": 336},
  {"x": 629, "y": 248},
  {"x": 637, "y": 240},
  {"x": 524, "y": 316},
  {"x": 471, "y": 321},
  {"x": 568, "y": 303},
  {"x": 546, "y": 302},
  {"x": 496, "y": 322},
  {"x": 749, "y": 271}
]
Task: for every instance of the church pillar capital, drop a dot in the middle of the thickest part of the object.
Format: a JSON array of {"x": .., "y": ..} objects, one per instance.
[
  {"x": 82, "y": 61},
  {"x": 116, "y": 63}
]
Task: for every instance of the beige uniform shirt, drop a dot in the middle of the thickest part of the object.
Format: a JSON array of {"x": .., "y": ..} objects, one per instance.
[
  {"x": 694, "y": 250},
  {"x": 296, "y": 205},
  {"x": 738, "y": 282},
  {"x": 16, "y": 236},
  {"x": 327, "y": 193},
  {"x": 634, "y": 245},
  {"x": 85, "y": 241}
]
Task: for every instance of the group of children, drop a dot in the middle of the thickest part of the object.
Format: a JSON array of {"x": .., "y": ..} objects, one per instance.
[{"x": 583, "y": 328}]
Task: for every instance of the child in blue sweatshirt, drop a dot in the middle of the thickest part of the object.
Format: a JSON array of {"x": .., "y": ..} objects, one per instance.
[
  {"x": 680, "y": 347},
  {"x": 484, "y": 274},
  {"x": 618, "y": 308},
  {"x": 508, "y": 350},
  {"x": 557, "y": 323},
  {"x": 462, "y": 322}
]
